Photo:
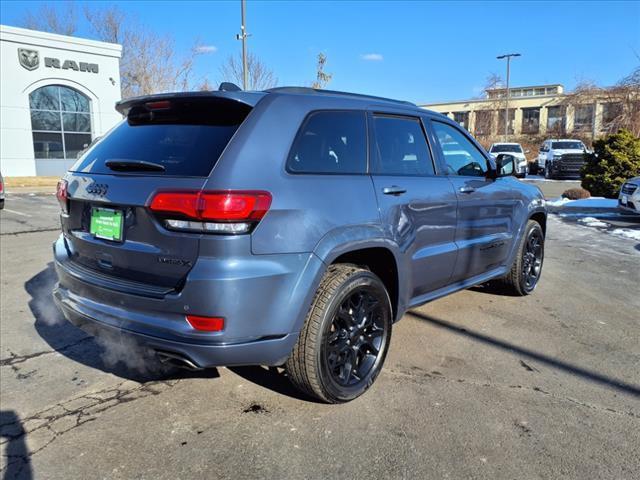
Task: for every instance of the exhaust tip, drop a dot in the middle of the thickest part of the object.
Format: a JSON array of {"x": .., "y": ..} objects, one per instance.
[{"x": 176, "y": 360}]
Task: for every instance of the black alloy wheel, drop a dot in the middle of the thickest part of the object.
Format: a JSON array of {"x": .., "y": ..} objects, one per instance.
[
  {"x": 532, "y": 257},
  {"x": 344, "y": 340},
  {"x": 355, "y": 338}
]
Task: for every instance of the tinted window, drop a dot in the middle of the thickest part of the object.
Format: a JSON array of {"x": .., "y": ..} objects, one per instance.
[
  {"x": 510, "y": 147},
  {"x": 567, "y": 146},
  {"x": 401, "y": 148},
  {"x": 186, "y": 139},
  {"x": 331, "y": 142},
  {"x": 460, "y": 155}
]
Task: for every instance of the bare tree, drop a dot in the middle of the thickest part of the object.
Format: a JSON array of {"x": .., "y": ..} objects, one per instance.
[
  {"x": 62, "y": 20},
  {"x": 322, "y": 78},
  {"x": 260, "y": 76},
  {"x": 485, "y": 117},
  {"x": 205, "y": 86},
  {"x": 620, "y": 103},
  {"x": 149, "y": 63},
  {"x": 493, "y": 82}
]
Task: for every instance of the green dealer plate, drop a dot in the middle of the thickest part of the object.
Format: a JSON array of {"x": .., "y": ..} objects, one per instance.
[{"x": 106, "y": 223}]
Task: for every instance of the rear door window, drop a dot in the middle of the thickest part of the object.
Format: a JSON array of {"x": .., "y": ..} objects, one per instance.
[
  {"x": 186, "y": 139},
  {"x": 330, "y": 142},
  {"x": 401, "y": 147}
]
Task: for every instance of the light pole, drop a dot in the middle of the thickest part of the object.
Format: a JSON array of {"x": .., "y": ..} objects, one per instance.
[
  {"x": 243, "y": 36},
  {"x": 506, "y": 109}
]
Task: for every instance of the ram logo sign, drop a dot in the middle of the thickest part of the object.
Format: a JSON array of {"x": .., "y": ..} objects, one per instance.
[{"x": 29, "y": 59}]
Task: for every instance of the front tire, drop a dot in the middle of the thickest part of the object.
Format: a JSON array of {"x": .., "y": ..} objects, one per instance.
[
  {"x": 345, "y": 337},
  {"x": 527, "y": 267},
  {"x": 547, "y": 171}
]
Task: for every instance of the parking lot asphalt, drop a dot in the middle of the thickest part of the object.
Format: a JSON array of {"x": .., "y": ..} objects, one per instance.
[{"x": 476, "y": 385}]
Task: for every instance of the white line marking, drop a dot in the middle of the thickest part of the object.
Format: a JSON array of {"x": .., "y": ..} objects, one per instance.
[{"x": 17, "y": 213}]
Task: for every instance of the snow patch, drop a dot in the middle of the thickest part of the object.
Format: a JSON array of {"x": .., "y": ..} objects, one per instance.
[
  {"x": 557, "y": 202},
  {"x": 626, "y": 233},
  {"x": 594, "y": 202},
  {"x": 593, "y": 222}
]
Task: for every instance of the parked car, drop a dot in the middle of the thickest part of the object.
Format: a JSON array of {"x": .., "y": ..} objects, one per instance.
[
  {"x": 515, "y": 149},
  {"x": 629, "y": 197},
  {"x": 1, "y": 192},
  {"x": 287, "y": 227},
  {"x": 561, "y": 158}
]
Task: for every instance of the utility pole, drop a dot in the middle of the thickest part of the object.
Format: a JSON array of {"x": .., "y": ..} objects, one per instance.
[
  {"x": 243, "y": 36},
  {"x": 506, "y": 109}
]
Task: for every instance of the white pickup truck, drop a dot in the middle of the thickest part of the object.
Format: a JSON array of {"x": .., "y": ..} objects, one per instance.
[
  {"x": 514, "y": 149},
  {"x": 561, "y": 158}
]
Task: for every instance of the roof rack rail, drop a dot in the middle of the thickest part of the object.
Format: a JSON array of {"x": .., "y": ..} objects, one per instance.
[{"x": 309, "y": 90}]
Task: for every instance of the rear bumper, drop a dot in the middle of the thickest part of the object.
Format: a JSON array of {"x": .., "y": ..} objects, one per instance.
[
  {"x": 273, "y": 351},
  {"x": 263, "y": 298}
]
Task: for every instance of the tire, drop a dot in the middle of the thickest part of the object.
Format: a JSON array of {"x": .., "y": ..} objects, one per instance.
[
  {"x": 337, "y": 356},
  {"x": 527, "y": 267},
  {"x": 547, "y": 171}
]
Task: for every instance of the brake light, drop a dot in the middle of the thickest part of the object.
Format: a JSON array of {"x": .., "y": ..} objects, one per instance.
[
  {"x": 230, "y": 212},
  {"x": 159, "y": 105},
  {"x": 62, "y": 195},
  {"x": 206, "y": 324}
]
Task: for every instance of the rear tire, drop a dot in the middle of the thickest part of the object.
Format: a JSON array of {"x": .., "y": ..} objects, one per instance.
[
  {"x": 345, "y": 337},
  {"x": 527, "y": 267}
]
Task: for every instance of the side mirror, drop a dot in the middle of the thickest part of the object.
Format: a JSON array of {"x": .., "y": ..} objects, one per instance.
[{"x": 505, "y": 165}]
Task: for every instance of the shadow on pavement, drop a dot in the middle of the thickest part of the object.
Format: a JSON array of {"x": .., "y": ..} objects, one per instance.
[
  {"x": 273, "y": 379},
  {"x": 547, "y": 360},
  {"x": 76, "y": 345},
  {"x": 18, "y": 463}
]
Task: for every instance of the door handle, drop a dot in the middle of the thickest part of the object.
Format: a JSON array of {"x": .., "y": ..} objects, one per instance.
[
  {"x": 467, "y": 189},
  {"x": 394, "y": 190}
]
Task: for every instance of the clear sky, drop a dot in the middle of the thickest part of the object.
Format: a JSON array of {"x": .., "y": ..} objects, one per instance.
[{"x": 419, "y": 51}]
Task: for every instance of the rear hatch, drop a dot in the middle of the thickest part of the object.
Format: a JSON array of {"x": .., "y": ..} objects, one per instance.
[{"x": 165, "y": 144}]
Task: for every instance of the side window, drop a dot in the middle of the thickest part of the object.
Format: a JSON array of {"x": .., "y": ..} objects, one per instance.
[
  {"x": 460, "y": 155},
  {"x": 331, "y": 142},
  {"x": 401, "y": 147}
]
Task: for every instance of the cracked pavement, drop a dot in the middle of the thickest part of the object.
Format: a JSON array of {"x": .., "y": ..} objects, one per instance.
[{"x": 476, "y": 385}]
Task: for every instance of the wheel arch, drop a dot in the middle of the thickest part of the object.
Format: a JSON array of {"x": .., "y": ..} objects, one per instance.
[{"x": 380, "y": 261}]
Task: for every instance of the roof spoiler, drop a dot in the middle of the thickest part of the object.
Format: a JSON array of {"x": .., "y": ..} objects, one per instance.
[{"x": 249, "y": 99}]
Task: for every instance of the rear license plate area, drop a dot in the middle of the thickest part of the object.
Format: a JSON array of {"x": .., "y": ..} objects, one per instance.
[{"x": 107, "y": 223}]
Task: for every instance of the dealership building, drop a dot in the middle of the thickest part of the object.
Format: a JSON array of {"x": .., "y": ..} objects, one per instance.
[
  {"x": 57, "y": 94},
  {"x": 533, "y": 110}
]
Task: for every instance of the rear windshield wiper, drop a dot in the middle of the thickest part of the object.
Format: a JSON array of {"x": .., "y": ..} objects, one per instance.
[{"x": 134, "y": 166}]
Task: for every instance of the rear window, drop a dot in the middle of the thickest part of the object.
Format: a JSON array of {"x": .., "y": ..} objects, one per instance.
[
  {"x": 186, "y": 139},
  {"x": 331, "y": 143}
]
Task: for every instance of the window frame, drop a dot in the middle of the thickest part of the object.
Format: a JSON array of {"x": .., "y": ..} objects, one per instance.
[
  {"x": 300, "y": 131},
  {"x": 373, "y": 142},
  {"x": 441, "y": 158},
  {"x": 60, "y": 112}
]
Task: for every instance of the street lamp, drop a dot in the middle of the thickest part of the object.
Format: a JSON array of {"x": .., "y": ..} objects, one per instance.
[
  {"x": 243, "y": 36},
  {"x": 506, "y": 109}
]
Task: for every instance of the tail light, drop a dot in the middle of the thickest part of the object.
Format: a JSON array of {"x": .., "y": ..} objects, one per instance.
[
  {"x": 206, "y": 324},
  {"x": 227, "y": 212},
  {"x": 62, "y": 195}
]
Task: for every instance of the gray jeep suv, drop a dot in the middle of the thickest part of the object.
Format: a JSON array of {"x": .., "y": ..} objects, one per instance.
[{"x": 287, "y": 227}]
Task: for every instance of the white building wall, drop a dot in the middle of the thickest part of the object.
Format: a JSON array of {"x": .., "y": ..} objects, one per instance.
[{"x": 17, "y": 82}]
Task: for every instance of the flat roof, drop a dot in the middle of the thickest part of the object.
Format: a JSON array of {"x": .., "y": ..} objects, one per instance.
[
  {"x": 546, "y": 85},
  {"x": 54, "y": 40}
]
